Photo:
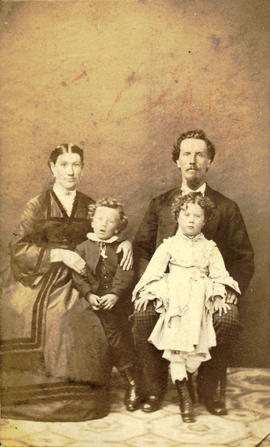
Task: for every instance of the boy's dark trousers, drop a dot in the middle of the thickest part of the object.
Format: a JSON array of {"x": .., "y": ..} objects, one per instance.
[
  {"x": 118, "y": 332},
  {"x": 116, "y": 327}
]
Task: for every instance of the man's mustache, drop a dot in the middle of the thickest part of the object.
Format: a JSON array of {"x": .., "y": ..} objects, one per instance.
[{"x": 193, "y": 168}]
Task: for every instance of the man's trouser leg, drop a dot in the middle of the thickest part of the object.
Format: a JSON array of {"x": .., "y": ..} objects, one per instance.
[
  {"x": 213, "y": 372},
  {"x": 153, "y": 369}
]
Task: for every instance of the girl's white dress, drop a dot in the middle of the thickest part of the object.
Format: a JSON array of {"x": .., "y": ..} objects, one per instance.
[{"x": 182, "y": 278}]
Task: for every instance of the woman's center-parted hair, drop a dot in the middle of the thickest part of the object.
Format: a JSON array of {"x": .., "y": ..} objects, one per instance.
[
  {"x": 181, "y": 202},
  {"x": 110, "y": 202},
  {"x": 65, "y": 149}
]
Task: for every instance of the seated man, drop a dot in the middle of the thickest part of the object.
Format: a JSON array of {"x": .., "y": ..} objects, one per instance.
[{"x": 193, "y": 154}]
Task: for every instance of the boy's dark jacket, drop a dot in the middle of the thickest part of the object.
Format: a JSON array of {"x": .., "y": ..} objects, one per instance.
[{"x": 121, "y": 282}]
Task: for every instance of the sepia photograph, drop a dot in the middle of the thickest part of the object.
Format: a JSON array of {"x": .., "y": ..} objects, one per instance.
[{"x": 134, "y": 223}]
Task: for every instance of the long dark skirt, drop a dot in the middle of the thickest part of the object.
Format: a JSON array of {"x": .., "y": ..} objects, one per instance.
[{"x": 55, "y": 356}]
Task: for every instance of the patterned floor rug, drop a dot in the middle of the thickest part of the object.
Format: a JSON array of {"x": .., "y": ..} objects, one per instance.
[{"x": 246, "y": 425}]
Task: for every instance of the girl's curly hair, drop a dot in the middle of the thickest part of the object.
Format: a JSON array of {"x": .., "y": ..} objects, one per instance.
[
  {"x": 109, "y": 202},
  {"x": 180, "y": 202}
]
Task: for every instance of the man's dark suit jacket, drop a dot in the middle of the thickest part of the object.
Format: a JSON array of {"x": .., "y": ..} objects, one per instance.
[
  {"x": 119, "y": 281},
  {"x": 227, "y": 229}
]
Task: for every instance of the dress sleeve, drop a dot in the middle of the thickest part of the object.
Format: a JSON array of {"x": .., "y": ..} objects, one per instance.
[
  {"x": 29, "y": 260},
  {"x": 82, "y": 282},
  {"x": 155, "y": 269},
  {"x": 218, "y": 274}
]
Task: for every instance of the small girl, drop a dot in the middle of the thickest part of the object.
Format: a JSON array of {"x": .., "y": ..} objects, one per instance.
[
  {"x": 107, "y": 287},
  {"x": 187, "y": 295}
]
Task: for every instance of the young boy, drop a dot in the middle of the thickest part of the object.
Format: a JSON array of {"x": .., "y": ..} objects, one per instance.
[{"x": 107, "y": 287}]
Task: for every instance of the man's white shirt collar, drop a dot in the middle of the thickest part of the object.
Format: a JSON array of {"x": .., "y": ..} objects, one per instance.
[{"x": 186, "y": 190}]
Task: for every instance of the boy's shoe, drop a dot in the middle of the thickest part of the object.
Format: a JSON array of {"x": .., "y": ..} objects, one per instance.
[{"x": 132, "y": 399}]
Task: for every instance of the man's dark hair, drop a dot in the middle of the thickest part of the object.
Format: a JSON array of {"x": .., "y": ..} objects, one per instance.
[{"x": 199, "y": 135}]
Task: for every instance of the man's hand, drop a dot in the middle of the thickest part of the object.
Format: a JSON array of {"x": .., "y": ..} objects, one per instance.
[
  {"x": 220, "y": 306},
  {"x": 108, "y": 301},
  {"x": 141, "y": 304},
  {"x": 94, "y": 301},
  {"x": 231, "y": 297},
  {"x": 127, "y": 258}
]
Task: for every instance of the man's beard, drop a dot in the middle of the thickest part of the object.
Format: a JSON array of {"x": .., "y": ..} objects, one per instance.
[{"x": 194, "y": 183}]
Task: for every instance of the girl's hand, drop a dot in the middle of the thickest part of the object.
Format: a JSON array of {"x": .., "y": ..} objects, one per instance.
[
  {"x": 94, "y": 301},
  {"x": 220, "y": 306},
  {"x": 141, "y": 304},
  {"x": 127, "y": 258},
  {"x": 108, "y": 301},
  {"x": 231, "y": 297},
  {"x": 69, "y": 258}
]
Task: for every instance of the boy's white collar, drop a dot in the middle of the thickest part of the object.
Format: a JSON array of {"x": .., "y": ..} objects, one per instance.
[{"x": 93, "y": 237}]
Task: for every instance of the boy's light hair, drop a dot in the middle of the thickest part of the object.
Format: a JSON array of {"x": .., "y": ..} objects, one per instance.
[{"x": 110, "y": 202}]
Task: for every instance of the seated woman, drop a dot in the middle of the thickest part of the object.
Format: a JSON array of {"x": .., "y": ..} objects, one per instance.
[{"x": 43, "y": 319}]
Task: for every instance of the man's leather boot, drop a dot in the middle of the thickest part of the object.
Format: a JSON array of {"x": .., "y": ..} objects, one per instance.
[{"x": 212, "y": 393}]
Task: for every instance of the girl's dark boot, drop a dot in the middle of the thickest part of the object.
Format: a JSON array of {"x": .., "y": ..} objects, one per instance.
[
  {"x": 191, "y": 388},
  {"x": 185, "y": 401}
]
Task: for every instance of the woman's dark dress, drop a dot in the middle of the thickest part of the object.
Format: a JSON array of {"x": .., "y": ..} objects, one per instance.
[{"x": 55, "y": 360}]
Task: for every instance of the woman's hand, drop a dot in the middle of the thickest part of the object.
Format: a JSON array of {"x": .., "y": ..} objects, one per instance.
[
  {"x": 69, "y": 258},
  {"x": 94, "y": 301},
  {"x": 141, "y": 304},
  {"x": 108, "y": 301},
  {"x": 220, "y": 306},
  {"x": 127, "y": 258},
  {"x": 74, "y": 261}
]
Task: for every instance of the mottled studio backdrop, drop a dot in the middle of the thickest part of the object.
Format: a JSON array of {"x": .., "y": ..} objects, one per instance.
[{"x": 122, "y": 78}]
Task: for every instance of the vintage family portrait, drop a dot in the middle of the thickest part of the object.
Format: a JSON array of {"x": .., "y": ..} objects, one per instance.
[{"x": 134, "y": 223}]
